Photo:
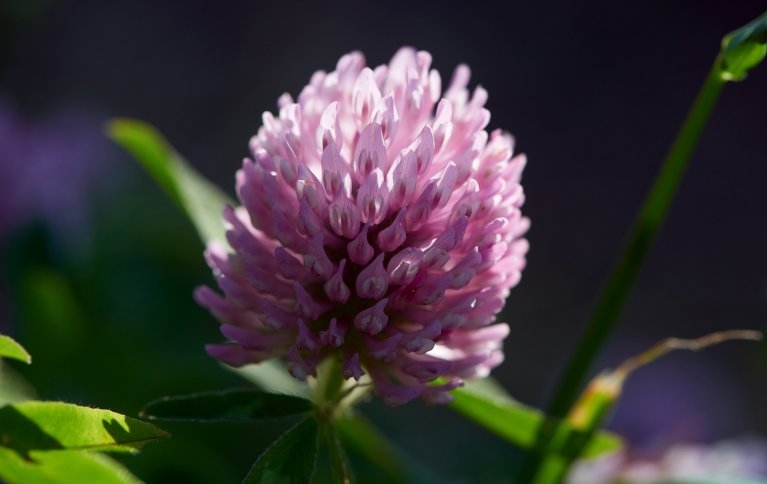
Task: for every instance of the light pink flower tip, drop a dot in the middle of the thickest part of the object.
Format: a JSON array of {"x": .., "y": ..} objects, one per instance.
[{"x": 380, "y": 224}]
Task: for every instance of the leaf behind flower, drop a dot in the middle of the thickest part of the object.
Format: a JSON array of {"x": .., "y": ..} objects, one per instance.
[
  {"x": 235, "y": 405},
  {"x": 518, "y": 423},
  {"x": 200, "y": 199}
]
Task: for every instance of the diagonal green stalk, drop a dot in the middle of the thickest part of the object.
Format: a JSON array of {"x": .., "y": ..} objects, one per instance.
[
  {"x": 741, "y": 50},
  {"x": 643, "y": 233},
  {"x": 625, "y": 271}
]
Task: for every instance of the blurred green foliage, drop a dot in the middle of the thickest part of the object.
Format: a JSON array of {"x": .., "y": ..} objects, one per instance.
[{"x": 116, "y": 327}]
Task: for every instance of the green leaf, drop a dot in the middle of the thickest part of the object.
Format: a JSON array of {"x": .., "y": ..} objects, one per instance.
[
  {"x": 489, "y": 388},
  {"x": 360, "y": 436},
  {"x": 744, "y": 49},
  {"x": 273, "y": 377},
  {"x": 291, "y": 459},
  {"x": 364, "y": 440},
  {"x": 200, "y": 199},
  {"x": 237, "y": 405},
  {"x": 62, "y": 467},
  {"x": 519, "y": 423},
  {"x": 202, "y": 202},
  {"x": 34, "y": 425},
  {"x": 11, "y": 349},
  {"x": 13, "y": 387},
  {"x": 339, "y": 463}
]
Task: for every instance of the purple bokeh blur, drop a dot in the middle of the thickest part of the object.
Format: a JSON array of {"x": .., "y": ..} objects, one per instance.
[{"x": 49, "y": 170}]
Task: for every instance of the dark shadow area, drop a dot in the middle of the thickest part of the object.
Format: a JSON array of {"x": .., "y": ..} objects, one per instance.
[{"x": 19, "y": 433}]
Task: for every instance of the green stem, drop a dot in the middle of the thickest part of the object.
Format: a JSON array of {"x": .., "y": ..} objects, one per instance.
[
  {"x": 624, "y": 273},
  {"x": 328, "y": 386}
]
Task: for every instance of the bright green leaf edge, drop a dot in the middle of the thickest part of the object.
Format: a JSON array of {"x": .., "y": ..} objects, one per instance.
[
  {"x": 9, "y": 348},
  {"x": 34, "y": 425},
  {"x": 234, "y": 405},
  {"x": 62, "y": 467},
  {"x": 518, "y": 423}
]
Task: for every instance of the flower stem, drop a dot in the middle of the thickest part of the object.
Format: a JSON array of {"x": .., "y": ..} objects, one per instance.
[
  {"x": 328, "y": 384},
  {"x": 626, "y": 269}
]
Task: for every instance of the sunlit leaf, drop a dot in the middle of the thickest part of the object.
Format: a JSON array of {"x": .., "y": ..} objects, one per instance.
[
  {"x": 488, "y": 387},
  {"x": 62, "y": 467},
  {"x": 519, "y": 423},
  {"x": 200, "y": 199},
  {"x": 237, "y": 405},
  {"x": 11, "y": 349},
  {"x": 273, "y": 377},
  {"x": 744, "y": 49},
  {"x": 34, "y": 425},
  {"x": 291, "y": 459}
]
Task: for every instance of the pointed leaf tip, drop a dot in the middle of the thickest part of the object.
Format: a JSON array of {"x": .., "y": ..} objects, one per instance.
[
  {"x": 9, "y": 348},
  {"x": 35, "y": 425},
  {"x": 744, "y": 49}
]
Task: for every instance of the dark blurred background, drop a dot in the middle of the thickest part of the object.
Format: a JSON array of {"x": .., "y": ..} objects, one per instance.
[{"x": 97, "y": 266}]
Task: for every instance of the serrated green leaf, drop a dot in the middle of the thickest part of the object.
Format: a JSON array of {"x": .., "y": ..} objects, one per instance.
[
  {"x": 236, "y": 405},
  {"x": 744, "y": 49},
  {"x": 201, "y": 200},
  {"x": 518, "y": 423},
  {"x": 9, "y": 348},
  {"x": 291, "y": 459},
  {"x": 62, "y": 467},
  {"x": 34, "y": 425}
]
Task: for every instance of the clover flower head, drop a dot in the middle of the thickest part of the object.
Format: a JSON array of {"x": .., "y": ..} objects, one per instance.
[{"x": 380, "y": 224}]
